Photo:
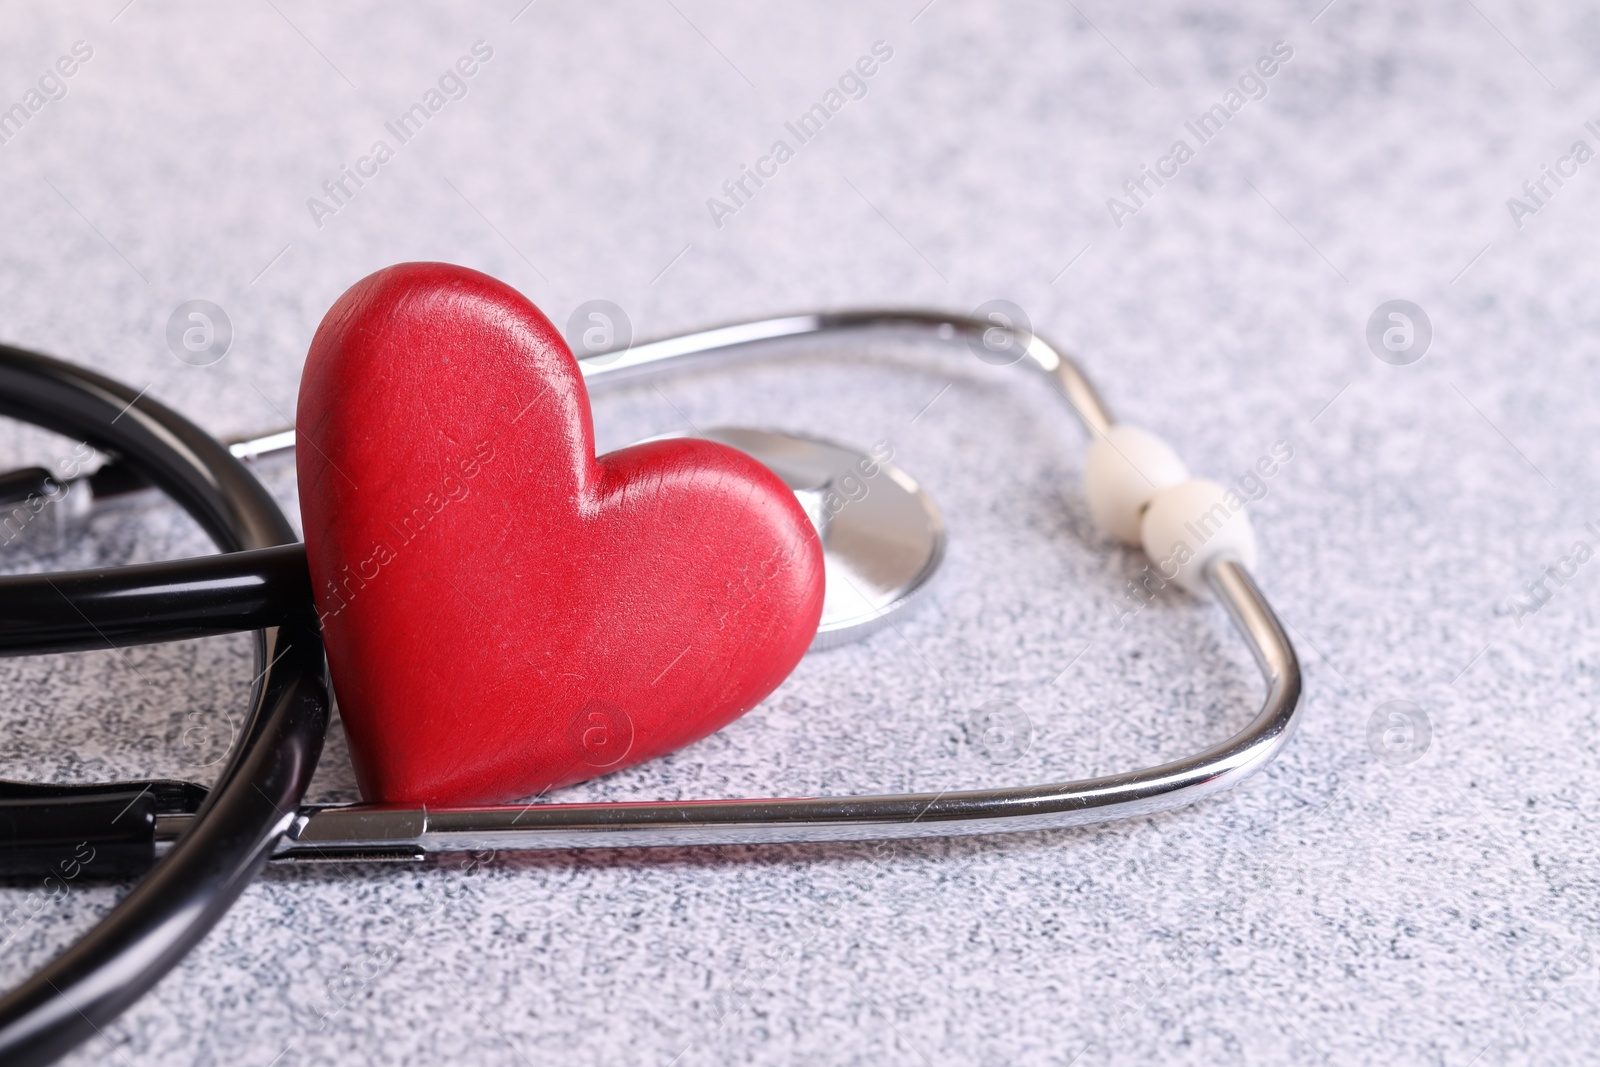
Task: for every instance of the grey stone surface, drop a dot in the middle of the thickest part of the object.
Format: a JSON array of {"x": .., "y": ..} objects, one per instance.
[{"x": 1340, "y": 907}]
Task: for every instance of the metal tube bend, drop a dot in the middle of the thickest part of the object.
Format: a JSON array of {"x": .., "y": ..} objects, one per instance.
[{"x": 402, "y": 833}]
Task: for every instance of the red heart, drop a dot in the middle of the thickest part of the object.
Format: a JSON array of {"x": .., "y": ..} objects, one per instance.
[{"x": 505, "y": 613}]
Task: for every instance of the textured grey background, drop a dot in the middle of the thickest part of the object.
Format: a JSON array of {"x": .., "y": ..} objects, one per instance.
[{"x": 1335, "y": 909}]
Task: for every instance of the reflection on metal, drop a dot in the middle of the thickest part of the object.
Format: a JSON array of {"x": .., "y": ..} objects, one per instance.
[{"x": 882, "y": 536}]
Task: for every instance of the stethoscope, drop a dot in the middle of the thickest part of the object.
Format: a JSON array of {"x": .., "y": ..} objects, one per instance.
[{"x": 201, "y": 848}]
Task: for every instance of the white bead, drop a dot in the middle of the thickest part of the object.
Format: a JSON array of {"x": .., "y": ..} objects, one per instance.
[
  {"x": 1189, "y": 525},
  {"x": 1126, "y": 467}
]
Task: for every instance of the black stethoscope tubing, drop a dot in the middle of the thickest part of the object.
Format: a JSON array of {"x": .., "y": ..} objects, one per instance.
[{"x": 260, "y": 787}]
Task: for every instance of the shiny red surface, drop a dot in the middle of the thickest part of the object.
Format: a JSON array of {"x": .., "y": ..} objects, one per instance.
[{"x": 505, "y": 613}]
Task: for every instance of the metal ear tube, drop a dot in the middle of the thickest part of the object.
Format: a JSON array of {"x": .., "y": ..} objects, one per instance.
[{"x": 411, "y": 833}]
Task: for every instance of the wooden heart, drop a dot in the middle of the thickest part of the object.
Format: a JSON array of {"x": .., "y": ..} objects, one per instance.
[{"x": 503, "y": 612}]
